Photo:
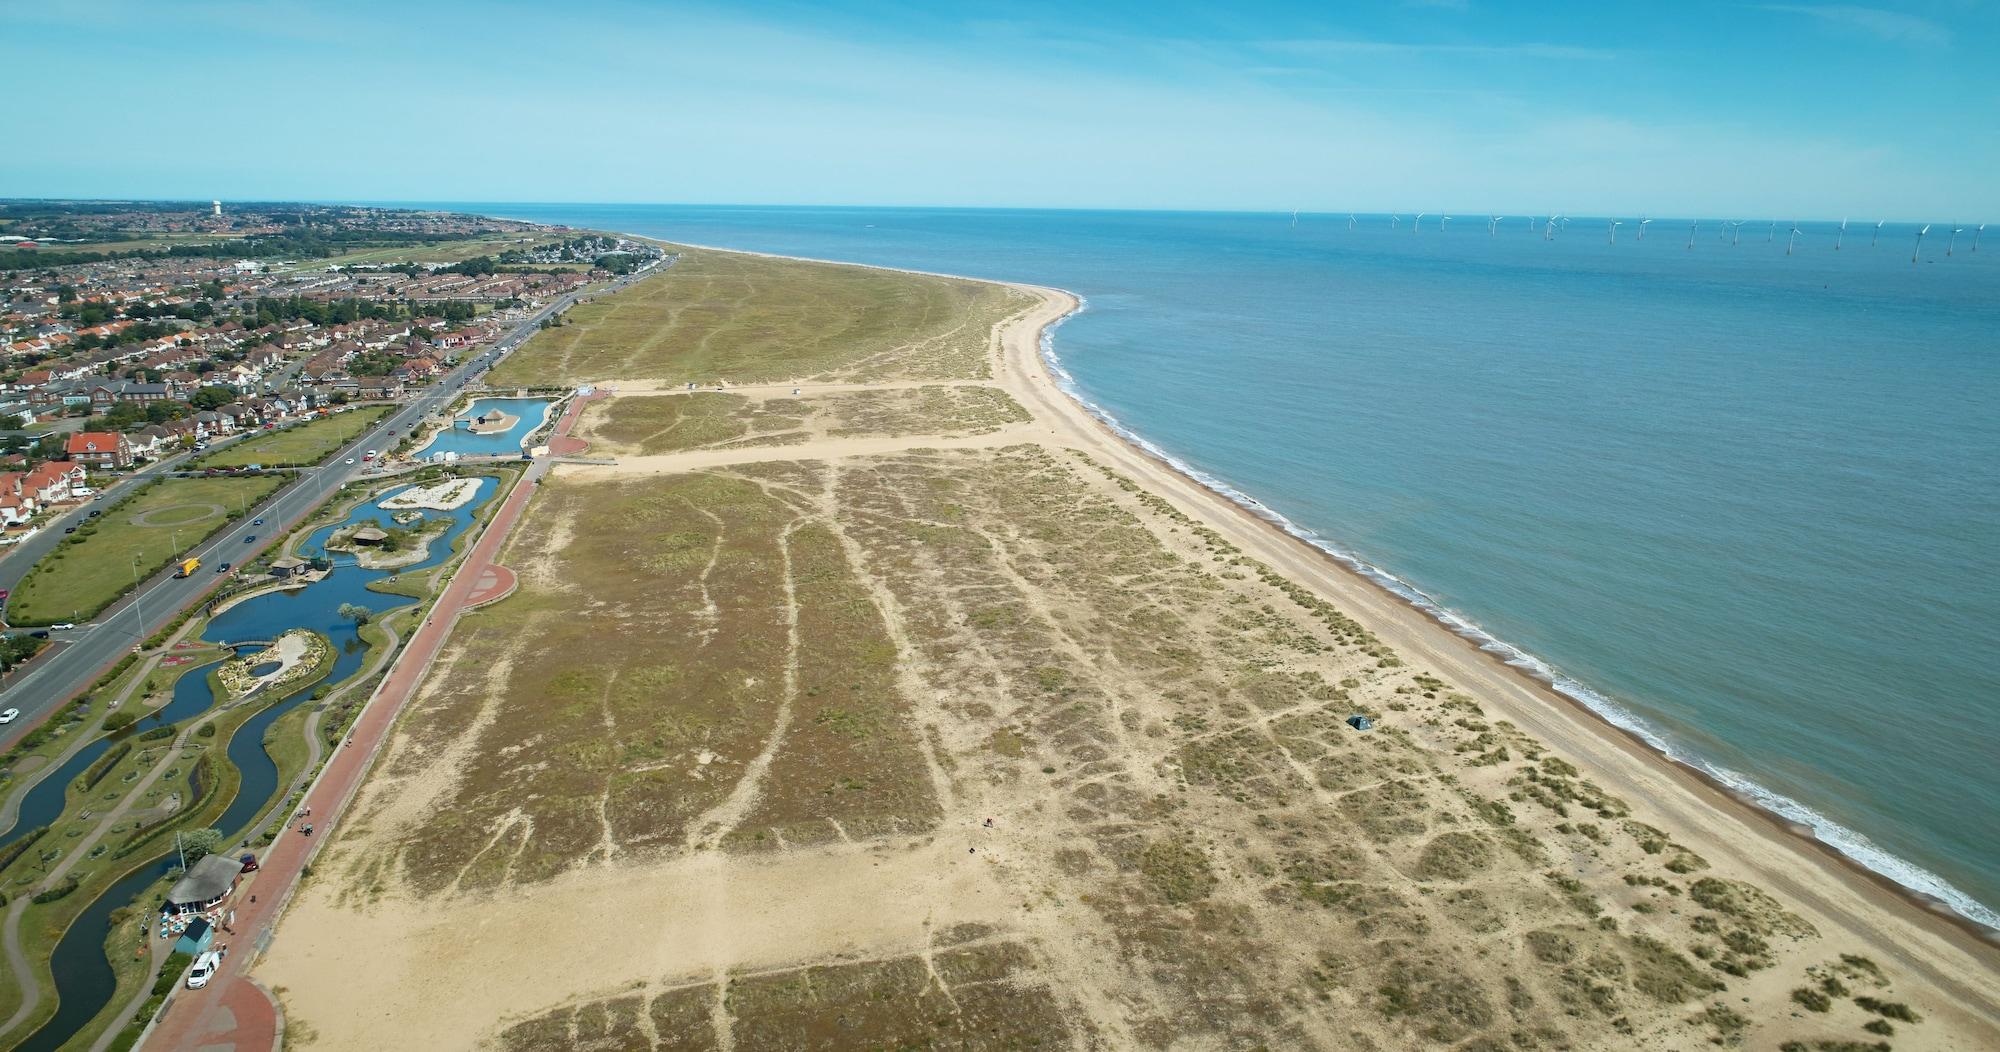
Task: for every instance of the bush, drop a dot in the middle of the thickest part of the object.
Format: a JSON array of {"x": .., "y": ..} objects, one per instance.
[
  {"x": 206, "y": 730},
  {"x": 20, "y": 847},
  {"x": 59, "y": 891},
  {"x": 170, "y": 972},
  {"x": 1892, "y": 1009},
  {"x": 1812, "y": 999},
  {"x": 118, "y": 721},
  {"x": 157, "y": 733}
]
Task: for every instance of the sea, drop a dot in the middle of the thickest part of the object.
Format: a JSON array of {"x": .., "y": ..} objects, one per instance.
[{"x": 1734, "y": 487}]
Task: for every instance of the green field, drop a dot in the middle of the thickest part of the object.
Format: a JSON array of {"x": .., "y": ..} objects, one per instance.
[
  {"x": 750, "y": 319},
  {"x": 300, "y": 445},
  {"x": 95, "y": 565},
  {"x": 438, "y": 251}
]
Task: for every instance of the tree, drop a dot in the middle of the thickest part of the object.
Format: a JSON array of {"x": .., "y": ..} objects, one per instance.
[
  {"x": 356, "y": 613},
  {"x": 13, "y": 422},
  {"x": 198, "y": 842},
  {"x": 213, "y": 396}
]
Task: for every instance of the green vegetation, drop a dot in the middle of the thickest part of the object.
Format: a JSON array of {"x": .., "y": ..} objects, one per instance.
[
  {"x": 743, "y": 319},
  {"x": 300, "y": 445},
  {"x": 139, "y": 536},
  {"x": 649, "y": 424}
]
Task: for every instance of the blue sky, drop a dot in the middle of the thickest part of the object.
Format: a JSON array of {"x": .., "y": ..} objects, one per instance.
[{"x": 1696, "y": 108}]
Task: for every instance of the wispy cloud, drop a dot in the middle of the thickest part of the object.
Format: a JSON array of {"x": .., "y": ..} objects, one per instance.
[
  {"x": 1893, "y": 26},
  {"x": 1325, "y": 46}
]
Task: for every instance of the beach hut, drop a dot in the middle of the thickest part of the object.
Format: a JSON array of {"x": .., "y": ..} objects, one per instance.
[
  {"x": 287, "y": 566},
  {"x": 197, "y": 937},
  {"x": 1360, "y": 722},
  {"x": 368, "y": 535}
]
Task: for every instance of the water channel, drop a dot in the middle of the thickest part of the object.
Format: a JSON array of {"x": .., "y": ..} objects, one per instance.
[{"x": 84, "y": 980}]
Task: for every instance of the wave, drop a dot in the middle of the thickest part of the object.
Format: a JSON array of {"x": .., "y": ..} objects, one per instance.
[{"x": 1850, "y": 843}]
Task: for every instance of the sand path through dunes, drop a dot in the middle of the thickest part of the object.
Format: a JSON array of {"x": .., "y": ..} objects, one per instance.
[
  {"x": 1836, "y": 895},
  {"x": 822, "y": 449},
  {"x": 845, "y": 901}
]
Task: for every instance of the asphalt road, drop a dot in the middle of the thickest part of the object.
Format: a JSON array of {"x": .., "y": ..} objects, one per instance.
[{"x": 69, "y": 667}]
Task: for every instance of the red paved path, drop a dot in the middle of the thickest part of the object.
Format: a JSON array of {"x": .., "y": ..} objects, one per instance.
[
  {"x": 562, "y": 444},
  {"x": 233, "y": 1013}
]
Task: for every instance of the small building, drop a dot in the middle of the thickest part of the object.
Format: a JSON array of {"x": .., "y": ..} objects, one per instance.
[
  {"x": 204, "y": 885},
  {"x": 368, "y": 535},
  {"x": 196, "y": 939},
  {"x": 289, "y": 566}
]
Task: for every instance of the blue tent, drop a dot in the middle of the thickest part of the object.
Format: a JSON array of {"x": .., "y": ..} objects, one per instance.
[
  {"x": 196, "y": 938},
  {"x": 1360, "y": 722}
]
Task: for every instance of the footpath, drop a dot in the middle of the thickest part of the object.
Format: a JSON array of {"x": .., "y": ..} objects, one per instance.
[{"x": 234, "y": 1012}]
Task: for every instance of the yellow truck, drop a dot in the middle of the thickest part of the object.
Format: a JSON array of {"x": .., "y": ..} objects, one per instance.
[{"x": 188, "y": 567}]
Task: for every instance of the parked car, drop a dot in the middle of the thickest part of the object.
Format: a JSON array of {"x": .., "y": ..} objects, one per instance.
[
  {"x": 63, "y": 626},
  {"x": 248, "y": 862},
  {"x": 10, "y": 715},
  {"x": 93, "y": 514},
  {"x": 69, "y": 529},
  {"x": 203, "y": 970}
]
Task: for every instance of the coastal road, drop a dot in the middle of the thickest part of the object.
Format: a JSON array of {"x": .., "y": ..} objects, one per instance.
[{"x": 85, "y": 653}]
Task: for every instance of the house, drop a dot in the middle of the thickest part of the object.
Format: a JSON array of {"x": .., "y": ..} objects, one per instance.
[
  {"x": 379, "y": 388},
  {"x": 100, "y": 449},
  {"x": 288, "y": 566},
  {"x": 16, "y": 506},
  {"x": 52, "y": 482},
  {"x": 148, "y": 441},
  {"x": 203, "y": 886}
]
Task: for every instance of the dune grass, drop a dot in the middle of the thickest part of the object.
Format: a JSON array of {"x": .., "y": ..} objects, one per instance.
[{"x": 719, "y": 316}]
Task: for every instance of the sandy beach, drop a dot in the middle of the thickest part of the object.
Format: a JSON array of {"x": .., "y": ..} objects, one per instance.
[
  {"x": 680, "y": 905},
  {"x": 1960, "y": 957}
]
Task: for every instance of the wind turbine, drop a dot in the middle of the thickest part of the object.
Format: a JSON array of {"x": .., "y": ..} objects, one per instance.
[
  {"x": 1953, "y": 243},
  {"x": 1642, "y": 228},
  {"x": 1295, "y": 218},
  {"x": 1691, "y": 230},
  {"x": 1877, "y": 236},
  {"x": 1613, "y": 231},
  {"x": 1842, "y": 236},
  {"x": 1975, "y": 236},
  {"x": 1442, "y": 220},
  {"x": 1350, "y": 222},
  {"x": 1771, "y": 233},
  {"x": 1792, "y": 242},
  {"x": 1736, "y": 234},
  {"x": 1395, "y": 221},
  {"x": 1920, "y": 242},
  {"x": 1494, "y": 224},
  {"x": 1417, "y": 224}
]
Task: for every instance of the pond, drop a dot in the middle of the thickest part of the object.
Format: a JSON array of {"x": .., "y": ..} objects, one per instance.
[{"x": 528, "y": 413}]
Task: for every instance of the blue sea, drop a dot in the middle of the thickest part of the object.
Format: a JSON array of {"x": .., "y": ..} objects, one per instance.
[{"x": 1742, "y": 498}]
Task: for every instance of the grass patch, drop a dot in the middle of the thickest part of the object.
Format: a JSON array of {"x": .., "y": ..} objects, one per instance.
[
  {"x": 748, "y": 319},
  {"x": 94, "y": 566},
  {"x": 299, "y": 445}
]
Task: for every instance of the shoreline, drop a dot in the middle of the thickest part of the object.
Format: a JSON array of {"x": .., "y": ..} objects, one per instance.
[
  {"x": 1524, "y": 667},
  {"x": 1316, "y": 568}
]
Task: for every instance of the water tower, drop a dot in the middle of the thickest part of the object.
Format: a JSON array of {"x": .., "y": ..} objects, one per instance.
[{"x": 215, "y": 208}]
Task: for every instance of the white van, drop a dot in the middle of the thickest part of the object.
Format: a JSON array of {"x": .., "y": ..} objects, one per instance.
[{"x": 203, "y": 970}]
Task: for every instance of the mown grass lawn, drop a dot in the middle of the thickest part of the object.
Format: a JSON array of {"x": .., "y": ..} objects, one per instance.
[
  {"x": 299, "y": 445},
  {"x": 94, "y": 566}
]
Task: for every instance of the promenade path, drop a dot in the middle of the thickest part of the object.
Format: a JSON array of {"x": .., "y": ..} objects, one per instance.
[{"x": 233, "y": 1012}]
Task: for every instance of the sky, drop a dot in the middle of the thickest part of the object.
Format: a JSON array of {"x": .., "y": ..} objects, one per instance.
[{"x": 1696, "y": 108}]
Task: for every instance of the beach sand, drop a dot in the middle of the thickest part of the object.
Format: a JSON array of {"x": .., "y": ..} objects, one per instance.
[{"x": 679, "y": 943}]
